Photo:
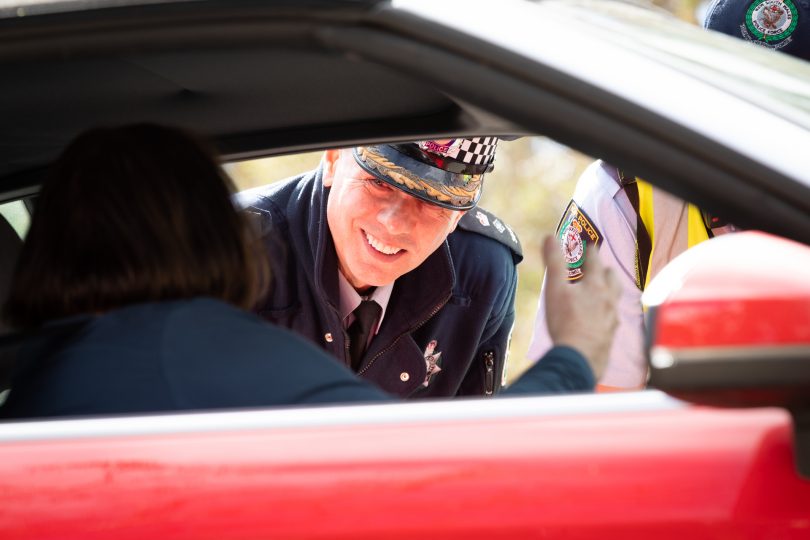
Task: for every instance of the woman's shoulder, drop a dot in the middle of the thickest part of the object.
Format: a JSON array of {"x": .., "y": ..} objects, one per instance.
[
  {"x": 211, "y": 327},
  {"x": 217, "y": 355},
  {"x": 213, "y": 315}
]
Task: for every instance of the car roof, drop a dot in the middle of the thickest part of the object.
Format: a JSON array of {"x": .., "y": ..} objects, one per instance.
[{"x": 261, "y": 78}]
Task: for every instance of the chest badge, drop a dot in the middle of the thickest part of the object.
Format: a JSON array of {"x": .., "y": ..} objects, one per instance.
[{"x": 433, "y": 360}]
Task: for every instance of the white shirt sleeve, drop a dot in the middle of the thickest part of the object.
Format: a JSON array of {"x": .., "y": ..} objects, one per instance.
[{"x": 600, "y": 197}]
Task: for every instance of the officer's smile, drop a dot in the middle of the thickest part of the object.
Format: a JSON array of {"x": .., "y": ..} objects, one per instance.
[{"x": 381, "y": 246}]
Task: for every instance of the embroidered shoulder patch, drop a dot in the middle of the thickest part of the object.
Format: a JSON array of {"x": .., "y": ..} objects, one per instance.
[
  {"x": 772, "y": 20},
  {"x": 577, "y": 235},
  {"x": 488, "y": 224}
]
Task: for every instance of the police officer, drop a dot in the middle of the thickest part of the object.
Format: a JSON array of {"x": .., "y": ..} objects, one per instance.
[
  {"x": 381, "y": 257},
  {"x": 641, "y": 228}
]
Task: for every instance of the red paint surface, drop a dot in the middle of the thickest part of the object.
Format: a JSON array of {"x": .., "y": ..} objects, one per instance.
[
  {"x": 745, "y": 322},
  {"x": 747, "y": 289},
  {"x": 691, "y": 473}
]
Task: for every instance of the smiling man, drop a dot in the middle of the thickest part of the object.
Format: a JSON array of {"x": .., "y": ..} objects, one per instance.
[{"x": 381, "y": 257}]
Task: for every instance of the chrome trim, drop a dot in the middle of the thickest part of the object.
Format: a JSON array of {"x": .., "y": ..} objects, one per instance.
[{"x": 423, "y": 412}]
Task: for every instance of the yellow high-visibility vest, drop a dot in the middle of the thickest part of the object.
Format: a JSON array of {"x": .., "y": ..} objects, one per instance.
[{"x": 672, "y": 226}]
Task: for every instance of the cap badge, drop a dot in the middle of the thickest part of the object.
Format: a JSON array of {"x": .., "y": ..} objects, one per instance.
[
  {"x": 443, "y": 147},
  {"x": 772, "y": 20}
]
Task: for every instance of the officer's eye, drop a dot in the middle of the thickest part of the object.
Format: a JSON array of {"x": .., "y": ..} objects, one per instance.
[{"x": 377, "y": 183}]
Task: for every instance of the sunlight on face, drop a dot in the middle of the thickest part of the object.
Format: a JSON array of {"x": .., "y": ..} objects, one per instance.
[{"x": 380, "y": 232}]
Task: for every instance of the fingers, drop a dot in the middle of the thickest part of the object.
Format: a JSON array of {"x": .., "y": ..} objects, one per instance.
[
  {"x": 595, "y": 271},
  {"x": 614, "y": 283},
  {"x": 592, "y": 266},
  {"x": 604, "y": 275},
  {"x": 555, "y": 266}
]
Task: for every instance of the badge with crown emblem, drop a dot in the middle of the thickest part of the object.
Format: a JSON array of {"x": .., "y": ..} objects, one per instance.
[
  {"x": 575, "y": 233},
  {"x": 772, "y": 20}
]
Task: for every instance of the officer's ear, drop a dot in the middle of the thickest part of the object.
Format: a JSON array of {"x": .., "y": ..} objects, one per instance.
[
  {"x": 329, "y": 163},
  {"x": 458, "y": 214}
]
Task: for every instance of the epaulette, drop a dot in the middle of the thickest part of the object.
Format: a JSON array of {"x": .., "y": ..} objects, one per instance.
[{"x": 487, "y": 224}]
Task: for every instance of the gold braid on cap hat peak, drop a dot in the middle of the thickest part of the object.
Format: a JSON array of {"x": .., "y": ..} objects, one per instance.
[{"x": 402, "y": 176}]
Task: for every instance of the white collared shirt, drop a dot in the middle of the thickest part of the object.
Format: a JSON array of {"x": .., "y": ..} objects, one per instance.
[
  {"x": 349, "y": 300},
  {"x": 600, "y": 196}
]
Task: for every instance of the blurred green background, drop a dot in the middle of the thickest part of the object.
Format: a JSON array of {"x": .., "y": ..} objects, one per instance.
[{"x": 541, "y": 170}]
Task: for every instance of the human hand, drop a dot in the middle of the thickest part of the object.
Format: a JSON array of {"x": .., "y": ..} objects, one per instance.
[{"x": 583, "y": 315}]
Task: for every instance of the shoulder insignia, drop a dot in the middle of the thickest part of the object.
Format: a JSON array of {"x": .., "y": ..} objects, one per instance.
[
  {"x": 487, "y": 224},
  {"x": 577, "y": 235}
]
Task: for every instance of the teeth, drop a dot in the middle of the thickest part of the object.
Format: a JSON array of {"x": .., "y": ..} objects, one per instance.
[{"x": 379, "y": 246}]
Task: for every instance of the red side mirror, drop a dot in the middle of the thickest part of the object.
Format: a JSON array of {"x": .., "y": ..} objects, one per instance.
[{"x": 728, "y": 324}]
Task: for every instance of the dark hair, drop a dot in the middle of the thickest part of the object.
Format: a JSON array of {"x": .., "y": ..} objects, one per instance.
[{"x": 134, "y": 214}]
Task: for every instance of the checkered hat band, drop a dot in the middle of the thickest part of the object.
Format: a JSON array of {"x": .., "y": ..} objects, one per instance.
[
  {"x": 479, "y": 150},
  {"x": 476, "y": 151}
]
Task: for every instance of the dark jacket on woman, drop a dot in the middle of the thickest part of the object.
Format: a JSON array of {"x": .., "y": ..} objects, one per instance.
[{"x": 200, "y": 354}]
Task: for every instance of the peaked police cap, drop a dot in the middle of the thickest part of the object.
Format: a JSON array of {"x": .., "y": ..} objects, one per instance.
[
  {"x": 448, "y": 172},
  {"x": 783, "y": 25}
]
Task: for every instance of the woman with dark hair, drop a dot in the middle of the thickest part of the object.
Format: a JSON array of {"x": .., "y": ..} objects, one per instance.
[{"x": 132, "y": 277}]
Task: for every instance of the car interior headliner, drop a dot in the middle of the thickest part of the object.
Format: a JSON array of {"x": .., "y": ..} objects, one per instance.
[
  {"x": 249, "y": 100},
  {"x": 254, "y": 90}
]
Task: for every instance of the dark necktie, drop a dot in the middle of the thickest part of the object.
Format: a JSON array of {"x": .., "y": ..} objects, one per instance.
[{"x": 365, "y": 315}]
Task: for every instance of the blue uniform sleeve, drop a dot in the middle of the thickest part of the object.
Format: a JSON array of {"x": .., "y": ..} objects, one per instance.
[
  {"x": 217, "y": 356},
  {"x": 561, "y": 370}
]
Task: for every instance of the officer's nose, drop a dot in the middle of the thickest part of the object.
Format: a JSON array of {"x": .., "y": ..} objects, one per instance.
[{"x": 400, "y": 213}]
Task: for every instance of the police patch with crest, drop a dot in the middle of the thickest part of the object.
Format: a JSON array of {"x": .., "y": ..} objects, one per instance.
[
  {"x": 577, "y": 235},
  {"x": 771, "y": 22}
]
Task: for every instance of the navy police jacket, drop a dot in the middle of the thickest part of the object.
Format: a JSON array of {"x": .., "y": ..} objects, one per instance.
[{"x": 447, "y": 325}]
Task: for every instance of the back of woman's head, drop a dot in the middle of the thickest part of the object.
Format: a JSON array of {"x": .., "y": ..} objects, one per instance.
[{"x": 128, "y": 215}]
